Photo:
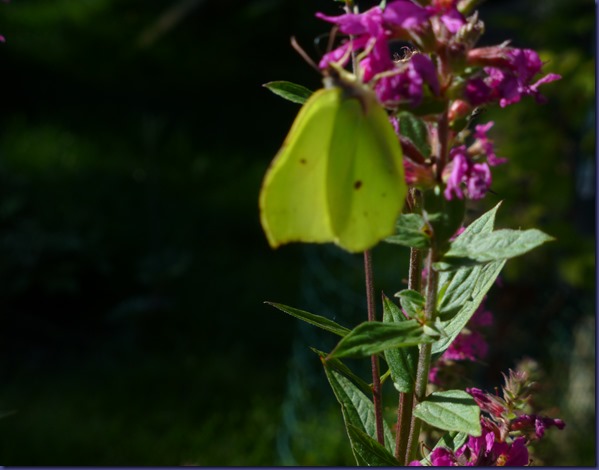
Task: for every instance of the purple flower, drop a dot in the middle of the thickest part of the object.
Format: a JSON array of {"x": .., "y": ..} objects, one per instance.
[
  {"x": 481, "y": 318},
  {"x": 406, "y": 15},
  {"x": 406, "y": 85},
  {"x": 439, "y": 457},
  {"x": 453, "y": 20},
  {"x": 367, "y": 29},
  {"x": 403, "y": 82},
  {"x": 442, "y": 457},
  {"x": 508, "y": 73},
  {"x": 518, "y": 455},
  {"x": 477, "y": 92},
  {"x": 486, "y": 450},
  {"x": 462, "y": 170},
  {"x": 460, "y": 166},
  {"x": 478, "y": 181},
  {"x": 492, "y": 404},
  {"x": 484, "y": 145},
  {"x": 354, "y": 23},
  {"x": 469, "y": 346},
  {"x": 528, "y": 423},
  {"x": 448, "y": 15},
  {"x": 483, "y": 451}
]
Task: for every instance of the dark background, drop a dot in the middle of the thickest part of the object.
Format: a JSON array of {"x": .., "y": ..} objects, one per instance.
[{"x": 134, "y": 136}]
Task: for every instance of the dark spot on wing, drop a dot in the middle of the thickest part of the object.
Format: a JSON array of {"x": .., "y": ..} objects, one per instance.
[
  {"x": 357, "y": 184},
  {"x": 303, "y": 161}
]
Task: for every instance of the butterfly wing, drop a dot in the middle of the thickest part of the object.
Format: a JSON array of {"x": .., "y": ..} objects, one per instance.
[
  {"x": 365, "y": 180},
  {"x": 293, "y": 204}
]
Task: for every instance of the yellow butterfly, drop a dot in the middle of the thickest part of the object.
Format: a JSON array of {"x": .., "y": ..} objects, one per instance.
[{"x": 339, "y": 175}]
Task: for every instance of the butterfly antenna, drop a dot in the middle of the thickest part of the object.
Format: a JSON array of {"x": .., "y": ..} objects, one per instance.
[
  {"x": 299, "y": 49},
  {"x": 318, "y": 43},
  {"x": 332, "y": 37}
]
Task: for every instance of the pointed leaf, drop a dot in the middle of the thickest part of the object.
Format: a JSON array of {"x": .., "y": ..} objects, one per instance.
[
  {"x": 498, "y": 245},
  {"x": 370, "y": 338},
  {"x": 290, "y": 91},
  {"x": 358, "y": 409},
  {"x": 479, "y": 244},
  {"x": 484, "y": 224},
  {"x": 466, "y": 290},
  {"x": 337, "y": 365},
  {"x": 415, "y": 129},
  {"x": 453, "y": 410},
  {"x": 411, "y": 301},
  {"x": 452, "y": 440},
  {"x": 463, "y": 290},
  {"x": 411, "y": 231},
  {"x": 367, "y": 451},
  {"x": 402, "y": 362},
  {"x": 316, "y": 320}
]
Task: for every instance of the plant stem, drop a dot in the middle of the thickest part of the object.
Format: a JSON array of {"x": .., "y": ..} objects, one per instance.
[
  {"x": 404, "y": 418},
  {"x": 443, "y": 136},
  {"x": 376, "y": 378},
  {"x": 406, "y": 400},
  {"x": 424, "y": 357}
]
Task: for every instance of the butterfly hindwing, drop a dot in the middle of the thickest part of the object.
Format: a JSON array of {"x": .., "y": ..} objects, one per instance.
[{"x": 365, "y": 181}]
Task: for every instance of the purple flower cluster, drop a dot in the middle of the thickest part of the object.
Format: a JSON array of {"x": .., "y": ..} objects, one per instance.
[
  {"x": 507, "y": 75},
  {"x": 503, "y": 417},
  {"x": 396, "y": 83},
  {"x": 506, "y": 430},
  {"x": 439, "y": 28},
  {"x": 468, "y": 169},
  {"x": 444, "y": 71},
  {"x": 482, "y": 451},
  {"x": 463, "y": 171}
]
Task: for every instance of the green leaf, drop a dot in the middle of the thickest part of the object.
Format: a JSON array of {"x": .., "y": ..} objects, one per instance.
[
  {"x": 497, "y": 245},
  {"x": 367, "y": 451},
  {"x": 290, "y": 91},
  {"x": 370, "y": 338},
  {"x": 411, "y": 231},
  {"x": 402, "y": 362},
  {"x": 452, "y": 440},
  {"x": 411, "y": 301},
  {"x": 465, "y": 291},
  {"x": 357, "y": 408},
  {"x": 340, "y": 367},
  {"x": 480, "y": 244},
  {"x": 484, "y": 224},
  {"x": 453, "y": 410},
  {"x": 316, "y": 320},
  {"x": 414, "y": 129}
]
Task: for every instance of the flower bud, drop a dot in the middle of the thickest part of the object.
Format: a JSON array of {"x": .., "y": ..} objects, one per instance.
[
  {"x": 459, "y": 109},
  {"x": 493, "y": 56}
]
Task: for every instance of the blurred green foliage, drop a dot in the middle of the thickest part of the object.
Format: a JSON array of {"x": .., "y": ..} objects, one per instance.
[{"x": 133, "y": 141}]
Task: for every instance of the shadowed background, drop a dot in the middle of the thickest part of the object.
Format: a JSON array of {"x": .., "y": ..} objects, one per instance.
[{"x": 134, "y": 138}]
